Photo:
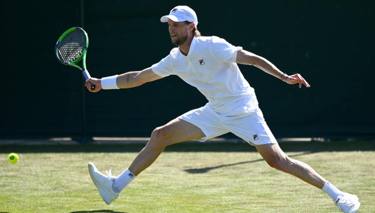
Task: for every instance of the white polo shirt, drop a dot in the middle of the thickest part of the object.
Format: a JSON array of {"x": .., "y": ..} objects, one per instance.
[{"x": 211, "y": 67}]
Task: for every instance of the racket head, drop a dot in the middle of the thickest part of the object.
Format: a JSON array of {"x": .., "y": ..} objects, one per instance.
[{"x": 71, "y": 47}]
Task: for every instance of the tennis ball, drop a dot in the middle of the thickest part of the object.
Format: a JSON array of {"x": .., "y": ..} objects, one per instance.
[{"x": 13, "y": 158}]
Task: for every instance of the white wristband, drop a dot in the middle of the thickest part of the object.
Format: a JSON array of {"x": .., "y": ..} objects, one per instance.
[{"x": 109, "y": 82}]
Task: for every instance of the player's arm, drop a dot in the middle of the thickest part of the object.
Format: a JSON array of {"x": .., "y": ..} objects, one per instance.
[
  {"x": 136, "y": 78},
  {"x": 123, "y": 81},
  {"x": 248, "y": 58}
]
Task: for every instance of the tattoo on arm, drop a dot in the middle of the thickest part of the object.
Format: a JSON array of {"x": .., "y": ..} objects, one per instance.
[{"x": 127, "y": 78}]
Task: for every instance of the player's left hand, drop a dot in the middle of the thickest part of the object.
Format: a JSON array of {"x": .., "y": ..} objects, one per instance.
[{"x": 296, "y": 79}]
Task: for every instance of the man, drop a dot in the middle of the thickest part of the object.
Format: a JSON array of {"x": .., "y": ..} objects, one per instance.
[{"x": 210, "y": 65}]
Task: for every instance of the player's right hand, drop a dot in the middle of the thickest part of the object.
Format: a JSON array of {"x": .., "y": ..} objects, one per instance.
[{"x": 93, "y": 85}]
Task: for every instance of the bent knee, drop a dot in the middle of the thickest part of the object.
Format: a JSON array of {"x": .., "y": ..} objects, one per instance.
[
  {"x": 159, "y": 136},
  {"x": 160, "y": 133},
  {"x": 279, "y": 163}
]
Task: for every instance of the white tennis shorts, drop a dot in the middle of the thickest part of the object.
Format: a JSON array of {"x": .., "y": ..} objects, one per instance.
[{"x": 250, "y": 127}]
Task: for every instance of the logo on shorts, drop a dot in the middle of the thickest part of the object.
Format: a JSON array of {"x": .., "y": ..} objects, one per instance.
[
  {"x": 201, "y": 61},
  {"x": 255, "y": 137}
]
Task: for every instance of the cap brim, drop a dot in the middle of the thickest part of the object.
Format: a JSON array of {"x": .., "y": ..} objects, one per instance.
[{"x": 171, "y": 17}]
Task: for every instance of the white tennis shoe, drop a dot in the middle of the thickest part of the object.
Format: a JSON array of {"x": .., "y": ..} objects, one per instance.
[
  {"x": 103, "y": 183},
  {"x": 348, "y": 203}
]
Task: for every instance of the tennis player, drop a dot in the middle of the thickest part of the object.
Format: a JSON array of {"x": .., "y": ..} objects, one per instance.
[{"x": 209, "y": 63}]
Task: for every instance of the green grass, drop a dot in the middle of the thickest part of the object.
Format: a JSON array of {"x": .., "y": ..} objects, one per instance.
[{"x": 183, "y": 179}]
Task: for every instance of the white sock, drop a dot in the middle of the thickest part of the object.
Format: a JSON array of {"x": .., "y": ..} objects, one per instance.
[
  {"x": 331, "y": 190},
  {"x": 122, "y": 180}
]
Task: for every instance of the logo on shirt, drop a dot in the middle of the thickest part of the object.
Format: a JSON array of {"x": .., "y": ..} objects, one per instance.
[{"x": 201, "y": 61}]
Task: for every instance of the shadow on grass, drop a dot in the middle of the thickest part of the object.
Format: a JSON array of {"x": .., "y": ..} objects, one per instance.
[
  {"x": 97, "y": 211},
  {"x": 189, "y": 147},
  {"x": 207, "y": 169}
]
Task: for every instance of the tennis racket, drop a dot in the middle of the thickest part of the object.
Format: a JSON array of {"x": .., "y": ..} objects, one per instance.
[{"x": 71, "y": 49}]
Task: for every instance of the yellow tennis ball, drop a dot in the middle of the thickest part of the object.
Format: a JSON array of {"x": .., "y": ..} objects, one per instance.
[{"x": 13, "y": 158}]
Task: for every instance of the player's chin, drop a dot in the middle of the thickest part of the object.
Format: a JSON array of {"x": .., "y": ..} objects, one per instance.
[{"x": 174, "y": 41}]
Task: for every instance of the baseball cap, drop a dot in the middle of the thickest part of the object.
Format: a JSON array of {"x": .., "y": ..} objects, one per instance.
[{"x": 181, "y": 13}]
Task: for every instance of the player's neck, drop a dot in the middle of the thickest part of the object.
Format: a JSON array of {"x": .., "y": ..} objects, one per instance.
[{"x": 185, "y": 47}]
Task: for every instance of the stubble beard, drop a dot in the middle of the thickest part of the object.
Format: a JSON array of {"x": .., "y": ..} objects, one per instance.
[{"x": 179, "y": 41}]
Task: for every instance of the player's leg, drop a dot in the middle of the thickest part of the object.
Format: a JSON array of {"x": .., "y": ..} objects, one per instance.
[
  {"x": 199, "y": 123},
  {"x": 254, "y": 129},
  {"x": 277, "y": 159},
  {"x": 173, "y": 132}
]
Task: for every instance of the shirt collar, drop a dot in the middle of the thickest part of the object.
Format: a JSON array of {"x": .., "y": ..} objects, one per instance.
[{"x": 192, "y": 45}]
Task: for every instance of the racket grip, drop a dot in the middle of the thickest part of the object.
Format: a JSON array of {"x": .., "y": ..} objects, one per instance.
[{"x": 87, "y": 76}]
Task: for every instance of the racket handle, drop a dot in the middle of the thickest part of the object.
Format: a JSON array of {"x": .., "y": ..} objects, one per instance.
[{"x": 87, "y": 76}]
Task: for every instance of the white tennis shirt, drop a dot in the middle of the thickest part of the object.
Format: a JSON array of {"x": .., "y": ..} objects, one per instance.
[{"x": 211, "y": 67}]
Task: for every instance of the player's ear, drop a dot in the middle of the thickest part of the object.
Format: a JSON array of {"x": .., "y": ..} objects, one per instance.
[{"x": 191, "y": 26}]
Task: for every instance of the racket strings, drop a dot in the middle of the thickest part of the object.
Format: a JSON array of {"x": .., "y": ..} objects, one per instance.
[{"x": 70, "y": 52}]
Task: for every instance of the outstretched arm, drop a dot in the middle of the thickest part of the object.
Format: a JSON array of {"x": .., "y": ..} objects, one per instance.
[
  {"x": 245, "y": 57},
  {"x": 122, "y": 81}
]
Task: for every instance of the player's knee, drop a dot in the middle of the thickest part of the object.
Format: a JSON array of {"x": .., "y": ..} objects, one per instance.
[
  {"x": 159, "y": 136},
  {"x": 159, "y": 133}
]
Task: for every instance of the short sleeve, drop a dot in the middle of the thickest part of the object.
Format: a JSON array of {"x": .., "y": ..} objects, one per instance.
[
  {"x": 164, "y": 67},
  {"x": 223, "y": 50}
]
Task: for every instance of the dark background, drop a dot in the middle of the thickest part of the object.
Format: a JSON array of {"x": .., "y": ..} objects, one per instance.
[{"x": 330, "y": 42}]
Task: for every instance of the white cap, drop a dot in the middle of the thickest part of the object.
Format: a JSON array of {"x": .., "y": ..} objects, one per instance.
[{"x": 180, "y": 14}]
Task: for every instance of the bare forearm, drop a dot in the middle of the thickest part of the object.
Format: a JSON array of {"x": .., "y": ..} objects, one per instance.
[
  {"x": 136, "y": 78},
  {"x": 129, "y": 80},
  {"x": 266, "y": 66},
  {"x": 245, "y": 57},
  {"x": 248, "y": 58},
  {"x": 122, "y": 81}
]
